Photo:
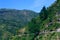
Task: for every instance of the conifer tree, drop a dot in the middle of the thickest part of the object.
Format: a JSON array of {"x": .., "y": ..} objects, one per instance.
[{"x": 43, "y": 14}]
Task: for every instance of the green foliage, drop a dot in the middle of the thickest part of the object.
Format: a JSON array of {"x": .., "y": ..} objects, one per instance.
[
  {"x": 12, "y": 20},
  {"x": 33, "y": 26},
  {"x": 43, "y": 14}
]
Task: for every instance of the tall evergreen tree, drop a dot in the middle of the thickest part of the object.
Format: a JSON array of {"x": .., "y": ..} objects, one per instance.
[{"x": 43, "y": 14}]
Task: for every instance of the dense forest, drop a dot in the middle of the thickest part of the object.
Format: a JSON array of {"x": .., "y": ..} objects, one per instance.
[{"x": 30, "y": 25}]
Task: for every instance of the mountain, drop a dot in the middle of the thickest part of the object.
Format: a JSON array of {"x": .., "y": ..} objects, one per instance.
[
  {"x": 42, "y": 26},
  {"x": 12, "y": 19},
  {"x": 47, "y": 25},
  {"x": 18, "y": 16}
]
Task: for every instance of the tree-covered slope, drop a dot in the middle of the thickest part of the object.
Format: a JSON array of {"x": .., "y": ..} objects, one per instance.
[
  {"x": 16, "y": 18},
  {"x": 19, "y": 17},
  {"x": 43, "y": 27},
  {"x": 48, "y": 20},
  {"x": 11, "y": 20}
]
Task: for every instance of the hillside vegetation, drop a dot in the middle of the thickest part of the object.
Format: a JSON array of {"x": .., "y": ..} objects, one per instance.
[
  {"x": 44, "y": 25},
  {"x": 12, "y": 20}
]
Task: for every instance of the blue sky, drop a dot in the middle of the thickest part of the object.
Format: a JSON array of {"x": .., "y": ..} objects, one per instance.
[{"x": 35, "y": 5}]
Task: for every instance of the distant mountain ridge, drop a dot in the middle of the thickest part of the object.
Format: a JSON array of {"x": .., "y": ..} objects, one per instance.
[
  {"x": 17, "y": 15},
  {"x": 12, "y": 19}
]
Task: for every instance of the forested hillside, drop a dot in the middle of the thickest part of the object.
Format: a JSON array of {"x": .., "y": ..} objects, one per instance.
[
  {"x": 44, "y": 25},
  {"x": 47, "y": 23},
  {"x": 11, "y": 20}
]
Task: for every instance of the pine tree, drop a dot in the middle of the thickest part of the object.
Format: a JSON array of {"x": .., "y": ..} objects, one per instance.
[{"x": 43, "y": 14}]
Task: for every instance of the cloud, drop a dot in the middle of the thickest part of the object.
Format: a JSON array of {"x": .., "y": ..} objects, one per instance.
[{"x": 37, "y": 3}]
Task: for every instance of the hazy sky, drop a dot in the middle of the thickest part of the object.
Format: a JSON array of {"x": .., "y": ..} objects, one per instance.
[{"x": 35, "y": 5}]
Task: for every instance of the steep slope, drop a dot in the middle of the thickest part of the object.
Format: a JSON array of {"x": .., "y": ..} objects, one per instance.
[
  {"x": 40, "y": 28},
  {"x": 49, "y": 24}
]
